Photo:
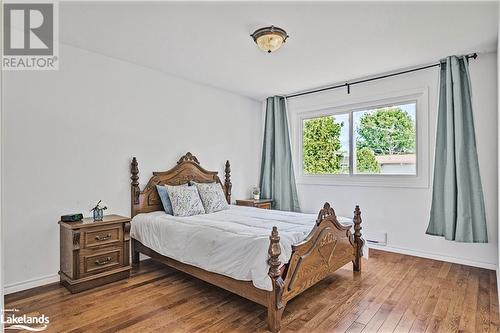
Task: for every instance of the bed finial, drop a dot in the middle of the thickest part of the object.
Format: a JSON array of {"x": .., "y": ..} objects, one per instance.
[
  {"x": 326, "y": 211},
  {"x": 227, "y": 181},
  {"x": 134, "y": 170},
  {"x": 188, "y": 157},
  {"x": 357, "y": 239},
  {"x": 274, "y": 253}
]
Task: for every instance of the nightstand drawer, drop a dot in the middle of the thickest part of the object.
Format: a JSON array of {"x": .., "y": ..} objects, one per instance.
[
  {"x": 261, "y": 203},
  {"x": 264, "y": 205},
  {"x": 101, "y": 261},
  {"x": 102, "y": 236}
]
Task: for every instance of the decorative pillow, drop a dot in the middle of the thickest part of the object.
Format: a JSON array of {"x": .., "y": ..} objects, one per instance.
[
  {"x": 165, "y": 200},
  {"x": 185, "y": 200},
  {"x": 212, "y": 196}
]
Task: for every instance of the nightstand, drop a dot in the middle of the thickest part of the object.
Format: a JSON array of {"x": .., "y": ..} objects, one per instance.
[
  {"x": 261, "y": 203},
  {"x": 94, "y": 253}
]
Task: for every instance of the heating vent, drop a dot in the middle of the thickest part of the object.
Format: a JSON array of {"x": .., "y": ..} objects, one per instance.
[{"x": 375, "y": 237}]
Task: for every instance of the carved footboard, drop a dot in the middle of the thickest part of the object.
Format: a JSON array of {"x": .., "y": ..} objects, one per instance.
[{"x": 329, "y": 246}]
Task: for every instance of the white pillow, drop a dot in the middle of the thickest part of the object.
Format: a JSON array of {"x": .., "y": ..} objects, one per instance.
[
  {"x": 212, "y": 196},
  {"x": 185, "y": 200}
]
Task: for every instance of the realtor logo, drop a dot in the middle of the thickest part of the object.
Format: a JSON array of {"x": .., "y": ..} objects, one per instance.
[
  {"x": 10, "y": 320},
  {"x": 29, "y": 36}
]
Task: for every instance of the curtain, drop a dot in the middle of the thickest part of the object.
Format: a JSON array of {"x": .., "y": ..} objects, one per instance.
[
  {"x": 457, "y": 210},
  {"x": 277, "y": 179}
]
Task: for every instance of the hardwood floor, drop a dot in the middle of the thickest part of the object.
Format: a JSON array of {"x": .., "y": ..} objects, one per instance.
[{"x": 394, "y": 293}]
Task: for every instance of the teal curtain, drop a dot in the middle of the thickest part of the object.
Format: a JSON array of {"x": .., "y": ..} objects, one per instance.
[
  {"x": 457, "y": 211},
  {"x": 277, "y": 179}
]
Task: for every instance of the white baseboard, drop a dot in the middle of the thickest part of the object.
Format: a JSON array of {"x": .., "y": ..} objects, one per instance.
[
  {"x": 37, "y": 282},
  {"x": 428, "y": 255}
]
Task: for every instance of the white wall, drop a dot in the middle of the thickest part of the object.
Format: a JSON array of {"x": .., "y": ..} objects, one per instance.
[
  {"x": 403, "y": 212},
  {"x": 498, "y": 157},
  {"x": 70, "y": 135}
]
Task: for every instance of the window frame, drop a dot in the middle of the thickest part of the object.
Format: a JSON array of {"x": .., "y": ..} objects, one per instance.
[{"x": 419, "y": 180}]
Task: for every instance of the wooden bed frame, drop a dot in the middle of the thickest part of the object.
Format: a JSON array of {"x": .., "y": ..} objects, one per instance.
[{"x": 329, "y": 246}]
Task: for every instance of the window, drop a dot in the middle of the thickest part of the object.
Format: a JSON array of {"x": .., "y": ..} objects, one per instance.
[
  {"x": 383, "y": 142},
  {"x": 373, "y": 143}
]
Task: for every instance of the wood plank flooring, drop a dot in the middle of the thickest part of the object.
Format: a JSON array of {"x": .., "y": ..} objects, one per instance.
[{"x": 394, "y": 293}]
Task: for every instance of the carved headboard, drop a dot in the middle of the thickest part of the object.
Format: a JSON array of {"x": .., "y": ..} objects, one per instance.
[{"x": 188, "y": 169}]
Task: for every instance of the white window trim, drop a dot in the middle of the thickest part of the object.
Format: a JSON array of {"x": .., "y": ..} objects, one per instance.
[{"x": 420, "y": 180}]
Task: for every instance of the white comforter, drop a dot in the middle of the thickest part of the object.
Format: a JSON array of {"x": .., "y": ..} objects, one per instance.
[{"x": 231, "y": 242}]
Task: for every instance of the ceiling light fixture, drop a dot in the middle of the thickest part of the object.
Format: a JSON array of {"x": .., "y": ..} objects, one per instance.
[{"x": 269, "y": 39}]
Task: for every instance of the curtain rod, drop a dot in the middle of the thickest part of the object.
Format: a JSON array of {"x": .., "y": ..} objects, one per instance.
[{"x": 349, "y": 84}]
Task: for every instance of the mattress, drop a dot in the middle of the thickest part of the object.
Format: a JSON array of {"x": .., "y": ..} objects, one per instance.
[{"x": 232, "y": 242}]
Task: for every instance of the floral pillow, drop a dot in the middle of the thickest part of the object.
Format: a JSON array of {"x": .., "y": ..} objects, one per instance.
[
  {"x": 165, "y": 200},
  {"x": 185, "y": 200},
  {"x": 212, "y": 196}
]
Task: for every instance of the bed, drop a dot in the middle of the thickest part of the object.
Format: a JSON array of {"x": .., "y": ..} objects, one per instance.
[{"x": 268, "y": 257}]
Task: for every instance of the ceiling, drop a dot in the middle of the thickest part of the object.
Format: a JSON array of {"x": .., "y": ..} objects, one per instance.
[{"x": 329, "y": 42}]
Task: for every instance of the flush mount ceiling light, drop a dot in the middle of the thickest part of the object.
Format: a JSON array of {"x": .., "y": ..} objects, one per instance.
[{"x": 269, "y": 39}]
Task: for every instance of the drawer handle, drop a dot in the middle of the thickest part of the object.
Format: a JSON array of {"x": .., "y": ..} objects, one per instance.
[
  {"x": 104, "y": 262},
  {"x": 101, "y": 238}
]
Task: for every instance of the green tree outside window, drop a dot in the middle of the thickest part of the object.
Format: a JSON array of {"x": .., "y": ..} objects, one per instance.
[
  {"x": 387, "y": 131},
  {"x": 322, "y": 147},
  {"x": 366, "y": 161}
]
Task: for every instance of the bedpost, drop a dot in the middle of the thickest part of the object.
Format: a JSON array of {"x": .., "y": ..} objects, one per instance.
[
  {"x": 227, "y": 181},
  {"x": 275, "y": 304},
  {"x": 135, "y": 253},
  {"x": 134, "y": 170},
  {"x": 358, "y": 241},
  {"x": 134, "y": 200}
]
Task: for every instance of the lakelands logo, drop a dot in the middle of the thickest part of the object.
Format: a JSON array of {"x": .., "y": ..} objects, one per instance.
[
  {"x": 30, "y": 36},
  {"x": 32, "y": 323}
]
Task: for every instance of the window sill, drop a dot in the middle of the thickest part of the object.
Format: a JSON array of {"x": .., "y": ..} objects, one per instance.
[{"x": 365, "y": 181}]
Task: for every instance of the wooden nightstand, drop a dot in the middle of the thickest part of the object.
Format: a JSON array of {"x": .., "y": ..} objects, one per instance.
[
  {"x": 94, "y": 253},
  {"x": 261, "y": 203}
]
